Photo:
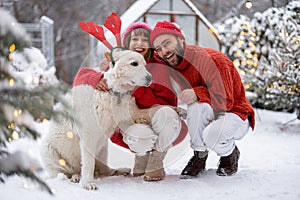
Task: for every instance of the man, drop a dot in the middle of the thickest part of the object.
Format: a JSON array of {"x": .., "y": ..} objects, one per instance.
[{"x": 218, "y": 111}]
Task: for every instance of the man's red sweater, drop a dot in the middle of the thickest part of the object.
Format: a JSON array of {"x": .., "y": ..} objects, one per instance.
[{"x": 215, "y": 80}]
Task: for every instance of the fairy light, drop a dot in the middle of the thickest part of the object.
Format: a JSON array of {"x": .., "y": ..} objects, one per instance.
[
  {"x": 11, "y": 126},
  {"x": 252, "y": 70},
  {"x": 12, "y": 48},
  {"x": 15, "y": 135},
  {"x": 243, "y": 62},
  {"x": 248, "y": 4},
  {"x": 236, "y": 63},
  {"x": 11, "y": 82},
  {"x": 243, "y": 72},
  {"x": 62, "y": 162},
  {"x": 247, "y": 86},
  {"x": 221, "y": 28},
  {"x": 36, "y": 80},
  {"x": 17, "y": 112},
  {"x": 70, "y": 135},
  {"x": 238, "y": 53}
]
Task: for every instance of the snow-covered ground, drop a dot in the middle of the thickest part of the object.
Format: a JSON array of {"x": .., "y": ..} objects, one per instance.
[{"x": 269, "y": 169}]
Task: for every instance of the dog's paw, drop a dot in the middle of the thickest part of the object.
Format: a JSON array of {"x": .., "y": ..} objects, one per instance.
[
  {"x": 90, "y": 186},
  {"x": 181, "y": 112},
  {"x": 75, "y": 178}
]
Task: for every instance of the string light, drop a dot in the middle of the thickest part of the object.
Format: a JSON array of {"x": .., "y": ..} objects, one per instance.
[
  {"x": 36, "y": 80},
  {"x": 221, "y": 28},
  {"x": 62, "y": 162},
  {"x": 11, "y": 126},
  {"x": 12, "y": 48},
  {"x": 11, "y": 82},
  {"x": 69, "y": 135},
  {"x": 248, "y": 4},
  {"x": 15, "y": 135},
  {"x": 17, "y": 112}
]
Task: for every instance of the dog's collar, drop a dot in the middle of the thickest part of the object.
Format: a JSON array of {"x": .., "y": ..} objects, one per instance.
[{"x": 119, "y": 95}]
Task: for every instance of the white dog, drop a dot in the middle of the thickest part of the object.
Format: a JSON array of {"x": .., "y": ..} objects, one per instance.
[{"x": 73, "y": 148}]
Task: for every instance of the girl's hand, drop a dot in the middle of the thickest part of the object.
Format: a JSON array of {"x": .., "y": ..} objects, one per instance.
[
  {"x": 104, "y": 65},
  {"x": 102, "y": 86}
]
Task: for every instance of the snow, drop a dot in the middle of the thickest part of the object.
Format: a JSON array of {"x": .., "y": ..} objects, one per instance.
[
  {"x": 9, "y": 24},
  {"x": 30, "y": 66},
  {"x": 268, "y": 169}
]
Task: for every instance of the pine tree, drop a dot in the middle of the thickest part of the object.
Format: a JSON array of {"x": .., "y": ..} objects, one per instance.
[
  {"x": 20, "y": 105},
  {"x": 265, "y": 50}
]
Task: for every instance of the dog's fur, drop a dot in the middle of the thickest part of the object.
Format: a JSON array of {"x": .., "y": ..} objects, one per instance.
[{"x": 97, "y": 115}]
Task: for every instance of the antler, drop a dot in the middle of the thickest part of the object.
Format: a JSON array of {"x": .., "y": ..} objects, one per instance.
[
  {"x": 96, "y": 31},
  {"x": 114, "y": 23}
]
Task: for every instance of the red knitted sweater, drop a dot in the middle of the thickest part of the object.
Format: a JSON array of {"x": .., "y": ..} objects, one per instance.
[{"x": 215, "y": 80}]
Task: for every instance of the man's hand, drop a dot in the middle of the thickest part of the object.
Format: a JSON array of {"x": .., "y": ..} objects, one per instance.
[{"x": 188, "y": 96}]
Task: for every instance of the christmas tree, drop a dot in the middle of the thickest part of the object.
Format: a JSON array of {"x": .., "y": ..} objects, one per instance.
[
  {"x": 266, "y": 51},
  {"x": 27, "y": 96}
]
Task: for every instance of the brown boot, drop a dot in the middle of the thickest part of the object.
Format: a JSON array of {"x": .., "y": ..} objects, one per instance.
[
  {"x": 228, "y": 165},
  {"x": 195, "y": 165},
  {"x": 140, "y": 163},
  {"x": 155, "y": 169}
]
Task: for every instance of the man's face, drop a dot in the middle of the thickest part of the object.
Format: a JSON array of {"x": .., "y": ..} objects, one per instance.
[{"x": 170, "y": 48}]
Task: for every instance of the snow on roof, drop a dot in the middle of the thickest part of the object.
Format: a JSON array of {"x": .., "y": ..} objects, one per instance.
[
  {"x": 142, "y": 6},
  {"x": 136, "y": 11}
]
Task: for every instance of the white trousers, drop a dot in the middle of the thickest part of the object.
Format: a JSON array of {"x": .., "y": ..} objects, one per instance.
[
  {"x": 164, "y": 129},
  {"x": 218, "y": 134}
]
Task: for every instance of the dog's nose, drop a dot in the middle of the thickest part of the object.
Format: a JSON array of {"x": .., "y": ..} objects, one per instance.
[{"x": 149, "y": 78}]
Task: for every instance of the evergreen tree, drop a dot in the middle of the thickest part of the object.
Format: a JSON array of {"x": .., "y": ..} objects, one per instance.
[
  {"x": 265, "y": 50},
  {"x": 21, "y": 104}
]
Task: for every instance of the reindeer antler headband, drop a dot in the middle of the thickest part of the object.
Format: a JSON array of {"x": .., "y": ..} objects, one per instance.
[{"x": 112, "y": 23}]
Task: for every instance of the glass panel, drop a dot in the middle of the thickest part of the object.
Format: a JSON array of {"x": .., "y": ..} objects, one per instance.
[
  {"x": 181, "y": 7},
  {"x": 171, "y": 5},
  {"x": 206, "y": 38},
  {"x": 161, "y": 5},
  {"x": 153, "y": 19},
  {"x": 187, "y": 25}
]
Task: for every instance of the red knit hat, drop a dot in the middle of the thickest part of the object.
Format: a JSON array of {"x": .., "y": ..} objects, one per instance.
[
  {"x": 135, "y": 26},
  {"x": 165, "y": 27}
]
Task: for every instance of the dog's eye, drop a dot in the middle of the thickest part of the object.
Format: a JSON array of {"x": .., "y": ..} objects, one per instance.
[{"x": 134, "y": 63}]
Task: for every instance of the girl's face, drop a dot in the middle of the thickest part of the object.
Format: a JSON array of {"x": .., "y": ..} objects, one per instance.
[{"x": 139, "y": 43}]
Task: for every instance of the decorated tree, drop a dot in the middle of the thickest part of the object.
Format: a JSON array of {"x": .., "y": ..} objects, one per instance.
[
  {"x": 28, "y": 90},
  {"x": 266, "y": 51}
]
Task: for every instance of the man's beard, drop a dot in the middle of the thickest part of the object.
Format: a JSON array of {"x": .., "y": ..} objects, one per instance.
[{"x": 178, "y": 51}]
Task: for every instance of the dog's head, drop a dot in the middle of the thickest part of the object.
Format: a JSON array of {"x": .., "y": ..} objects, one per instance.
[{"x": 127, "y": 72}]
